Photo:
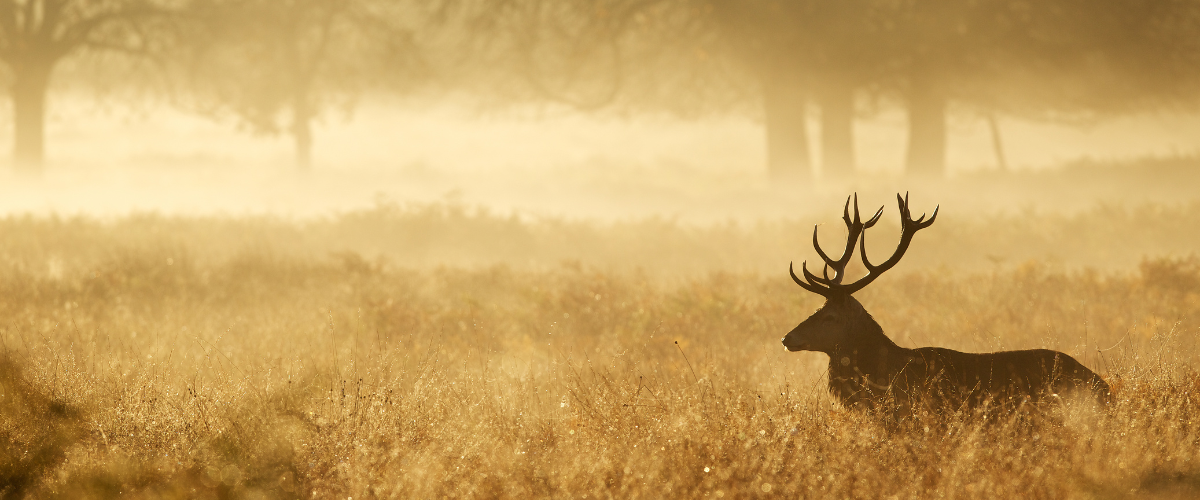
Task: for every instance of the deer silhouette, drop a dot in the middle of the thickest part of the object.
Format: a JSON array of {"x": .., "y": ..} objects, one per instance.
[{"x": 867, "y": 369}]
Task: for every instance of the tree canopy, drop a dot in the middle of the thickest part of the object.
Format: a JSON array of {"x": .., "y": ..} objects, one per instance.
[{"x": 276, "y": 66}]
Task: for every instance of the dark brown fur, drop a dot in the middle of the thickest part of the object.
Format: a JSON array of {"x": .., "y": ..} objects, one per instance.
[{"x": 866, "y": 368}]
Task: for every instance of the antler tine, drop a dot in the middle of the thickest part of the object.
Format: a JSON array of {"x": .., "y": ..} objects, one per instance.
[
  {"x": 908, "y": 228},
  {"x": 812, "y": 287},
  {"x": 932, "y": 218},
  {"x": 862, "y": 252},
  {"x": 814, "y": 279},
  {"x": 804, "y": 285},
  {"x": 817, "y": 246},
  {"x": 854, "y": 227},
  {"x": 837, "y": 264},
  {"x": 906, "y": 215},
  {"x": 868, "y": 224}
]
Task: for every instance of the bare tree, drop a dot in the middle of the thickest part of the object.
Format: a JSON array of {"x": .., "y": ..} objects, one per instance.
[
  {"x": 844, "y": 50},
  {"x": 36, "y": 35},
  {"x": 277, "y": 65},
  {"x": 691, "y": 57},
  {"x": 1053, "y": 60},
  {"x": 763, "y": 38},
  {"x": 935, "y": 45},
  {"x": 774, "y": 58}
]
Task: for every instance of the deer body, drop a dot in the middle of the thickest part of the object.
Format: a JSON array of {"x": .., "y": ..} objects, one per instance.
[{"x": 868, "y": 369}]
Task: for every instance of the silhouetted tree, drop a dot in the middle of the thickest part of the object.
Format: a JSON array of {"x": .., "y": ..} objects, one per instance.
[
  {"x": 278, "y": 64},
  {"x": 1102, "y": 58},
  {"x": 1033, "y": 59},
  {"x": 36, "y": 35},
  {"x": 617, "y": 55},
  {"x": 765, "y": 37},
  {"x": 697, "y": 56},
  {"x": 1038, "y": 60},
  {"x": 801, "y": 51},
  {"x": 936, "y": 44},
  {"x": 835, "y": 46}
]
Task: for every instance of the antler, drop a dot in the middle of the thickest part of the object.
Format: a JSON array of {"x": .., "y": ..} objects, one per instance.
[
  {"x": 826, "y": 286},
  {"x": 854, "y": 229}
]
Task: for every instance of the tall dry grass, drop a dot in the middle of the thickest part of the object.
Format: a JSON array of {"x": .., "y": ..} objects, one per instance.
[{"x": 135, "y": 362}]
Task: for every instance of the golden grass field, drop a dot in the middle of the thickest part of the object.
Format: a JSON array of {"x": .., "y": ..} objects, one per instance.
[{"x": 442, "y": 352}]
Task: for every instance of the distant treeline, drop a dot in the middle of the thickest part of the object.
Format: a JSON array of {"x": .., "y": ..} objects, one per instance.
[
  {"x": 274, "y": 66},
  {"x": 422, "y": 237}
]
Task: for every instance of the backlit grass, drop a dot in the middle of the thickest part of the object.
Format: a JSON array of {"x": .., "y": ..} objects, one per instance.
[{"x": 156, "y": 369}]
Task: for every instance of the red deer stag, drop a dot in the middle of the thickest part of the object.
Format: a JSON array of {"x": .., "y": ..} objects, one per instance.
[{"x": 866, "y": 368}]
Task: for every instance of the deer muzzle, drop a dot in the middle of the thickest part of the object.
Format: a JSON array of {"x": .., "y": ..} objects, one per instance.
[{"x": 793, "y": 345}]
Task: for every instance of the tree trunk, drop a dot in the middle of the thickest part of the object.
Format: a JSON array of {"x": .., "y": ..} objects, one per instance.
[
  {"x": 997, "y": 144},
  {"x": 926, "y": 130},
  {"x": 787, "y": 134},
  {"x": 302, "y": 134},
  {"x": 837, "y": 130},
  {"x": 29, "y": 117}
]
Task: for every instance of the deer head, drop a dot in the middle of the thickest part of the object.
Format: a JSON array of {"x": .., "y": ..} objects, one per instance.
[{"x": 842, "y": 322}]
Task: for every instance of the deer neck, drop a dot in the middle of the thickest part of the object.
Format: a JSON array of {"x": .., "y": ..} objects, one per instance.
[{"x": 869, "y": 352}]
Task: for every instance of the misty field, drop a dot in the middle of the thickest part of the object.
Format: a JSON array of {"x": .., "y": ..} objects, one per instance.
[{"x": 441, "y": 352}]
